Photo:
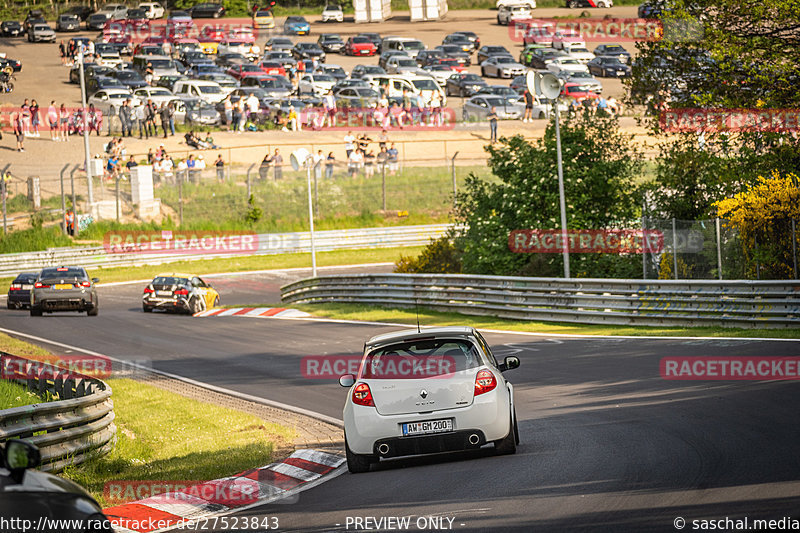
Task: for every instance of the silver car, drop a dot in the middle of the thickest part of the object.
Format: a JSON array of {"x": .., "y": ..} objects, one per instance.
[
  {"x": 64, "y": 289},
  {"x": 502, "y": 67},
  {"x": 478, "y": 107},
  {"x": 41, "y": 33},
  {"x": 68, "y": 23}
]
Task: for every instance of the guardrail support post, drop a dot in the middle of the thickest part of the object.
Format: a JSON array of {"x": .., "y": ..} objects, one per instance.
[
  {"x": 383, "y": 185},
  {"x": 719, "y": 249},
  {"x": 180, "y": 201},
  {"x": 4, "y": 193},
  {"x": 249, "y": 170},
  {"x": 794, "y": 248},
  {"x": 644, "y": 240},
  {"x": 63, "y": 202},
  {"x": 674, "y": 248},
  {"x": 72, "y": 186},
  {"x": 453, "y": 168},
  {"x": 116, "y": 195}
]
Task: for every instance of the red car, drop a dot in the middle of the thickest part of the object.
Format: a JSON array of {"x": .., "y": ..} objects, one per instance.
[
  {"x": 273, "y": 68},
  {"x": 573, "y": 90},
  {"x": 242, "y": 71},
  {"x": 360, "y": 46},
  {"x": 452, "y": 63}
]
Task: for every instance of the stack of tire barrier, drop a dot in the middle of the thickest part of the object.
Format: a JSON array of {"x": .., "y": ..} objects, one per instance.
[{"x": 77, "y": 425}]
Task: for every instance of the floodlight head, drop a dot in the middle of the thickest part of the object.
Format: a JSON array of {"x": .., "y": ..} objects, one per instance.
[{"x": 299, "y": 157}]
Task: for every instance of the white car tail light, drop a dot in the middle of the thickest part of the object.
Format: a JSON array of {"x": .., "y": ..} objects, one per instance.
[
  {"x": 484, "y": 382},
  {"x": 362, "y": 395}
]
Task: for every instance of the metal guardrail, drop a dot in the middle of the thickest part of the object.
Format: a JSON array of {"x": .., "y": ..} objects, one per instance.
[
  {"x": 67, "y": 431},
  {"x": 746, "y": 304},
  {"x": 268, "y": 244}
]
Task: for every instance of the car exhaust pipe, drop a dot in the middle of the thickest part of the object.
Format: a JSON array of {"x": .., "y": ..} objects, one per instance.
[
  {"x": 474, "y": 439},
  {"x": 383, "y": 449}
]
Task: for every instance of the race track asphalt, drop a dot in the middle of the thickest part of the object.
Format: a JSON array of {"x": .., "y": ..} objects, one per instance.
[{"x": 607, "y": 445}]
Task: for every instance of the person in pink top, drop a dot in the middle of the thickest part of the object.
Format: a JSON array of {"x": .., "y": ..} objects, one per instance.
[{"x": 52, "y": 120}]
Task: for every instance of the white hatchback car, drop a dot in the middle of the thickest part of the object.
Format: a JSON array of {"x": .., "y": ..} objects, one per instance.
[{"x": 438, "y": 390}]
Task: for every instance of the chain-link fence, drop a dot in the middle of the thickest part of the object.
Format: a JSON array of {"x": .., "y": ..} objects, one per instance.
[{"x": 712, "y": 249}]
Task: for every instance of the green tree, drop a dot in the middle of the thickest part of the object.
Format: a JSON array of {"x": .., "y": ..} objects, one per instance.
[{"x": 600, "y": 163}]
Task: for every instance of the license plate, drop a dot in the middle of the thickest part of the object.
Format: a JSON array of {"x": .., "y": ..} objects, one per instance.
[
  {"x": 62, "y": 286},
  {"x": 620, "y": 73},
  {"x": 365, "y": 52},
  {"x": 27, "y": 287},
  {"x": 163, "y": 293},
  {"x": 427, "y": 427}
]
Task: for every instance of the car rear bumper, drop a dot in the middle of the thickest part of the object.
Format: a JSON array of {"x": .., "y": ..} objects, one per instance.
[
  {"x": 167, "y": 304},
  {"x": 467, "y": 439},
  {"x": 19, "y": 299}
]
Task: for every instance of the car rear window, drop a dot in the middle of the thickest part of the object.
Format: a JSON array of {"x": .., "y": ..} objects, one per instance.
[
  {"x": 420, "y": 358},
  {"x": 63, "y": 272},
  {"x": 169, "y": 280}
]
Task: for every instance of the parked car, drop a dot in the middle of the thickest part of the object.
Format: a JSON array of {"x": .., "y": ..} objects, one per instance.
[
  {"x": 196, "y": 111},
  {"x": 500, "y": 90},
  {"x": 539, "y": 35},
  {"x": 130, "y": 78},
  {"x": 375, "y": 38},
  {"x": 206, "y": 10},
  {"x": 68, "y": 23},
  {"x": 460, "y": 40},
  {"x": 34, "y": 16},
  {"x": 472, "y": 36},
  {"x": 609, "y": 67},
  {"x": 317, "y": 84},
  {"x": 11, "y": 28},
  {"x": 208, "y": 91},
  {"x": 488, "y": 51},
  {"x": 527, "y": 50},
  {"x": 332, "y": 70},
  {"x": 330, "y": 42},
  {"x": 159, "y": 95},
  {"x": 14, "y": 64},
  {"x": 276, "y": 44},
  {"x": 360, "y": 45},
  {"x": 560, "y": 64},
  {"x": 401, "y": 65},
  {"x": 531, "y": 4},
  {"x": 541, "y": 57},
  {"x": 575, "y": 4},
  {"x": 464, "y": 84},
  {"x": 179, "y": 293},
  {"x": 263, "y": 19},
  {"x": 41, "y": 33},
  {"x": 154, "y": 10},
  {"x": 382, "y": 413},
  {"x": 356, "y": 97},
  {"x": 296, "y": 25},
  {"x": 19, "y": 292},
  {"x": 64, "y": 289},
  {"x": 613, "y": 50},
  {"x": 408, "y": 45},
  {"x": 581, "y": 53},
  {"x": 506, "y": 14},
  {"x": 97, "y": 21},
  {"x": 359, "y": 71},
  {"x": 82, "y": 12},
  {"x": 584, "y": 80},
  {"x": 574, "y": 90},
  {"x": 30, "y": 495},
  {"x": 228, "y": 83},
  {"x": 455, "y": 52},
  {"x": 242, "y": 71},
  {"x": 232, "y": 46},
  {"x": 332, "y": 13},
  {"x": 502, "y": 67},
  {"x": 275, "y": 87},
  {"x": 566, "y": 37},
  {"x": 308, "y": 51},
  {"x": 479, "y": 106}
]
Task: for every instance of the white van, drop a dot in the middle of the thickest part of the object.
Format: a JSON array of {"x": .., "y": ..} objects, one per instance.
[
  {"x": 425, "y": 86},
  {"x": 208, "y": 91}
]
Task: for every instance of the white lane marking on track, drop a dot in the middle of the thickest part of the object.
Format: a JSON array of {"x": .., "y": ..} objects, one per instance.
[{"x": 243, "y": 396}]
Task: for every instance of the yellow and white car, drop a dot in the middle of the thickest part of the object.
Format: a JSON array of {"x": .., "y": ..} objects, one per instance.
[{"x": 181, "y": 293}]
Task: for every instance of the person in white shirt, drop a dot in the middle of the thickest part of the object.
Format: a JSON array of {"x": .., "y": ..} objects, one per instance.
[
  {"x": 201, "y": 163},
  {"x": 354, "y": 162},
  {"x": 330, "y": 109},
  {"x": 253, "y": 106},
  {"x": 349, "y": 143},
  {"x": 167, "y": 166},
  {"x": 319, "y": 161}
]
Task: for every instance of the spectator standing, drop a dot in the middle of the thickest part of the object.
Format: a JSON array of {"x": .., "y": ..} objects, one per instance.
[
  {"x": 263, "y": 168},
  {"x": 393, "y": 160},
  {"x": 139, "y": 116},
  {"x": 319, "y": 160},
  {"x": 52, "y": 119},
  {"x": 330, "y": 109},
  {"x": 383, "y": 140},
  {"x": 164, "y": 112},
  {"x": 200, "y": 166},
  {"x": 171, "y": 110},
  {"x": 240, "y": 105},
  {"x": 167, "y": 164},
  {"x": 94, "y": 120},
  {"x": 25, "y": 113},
  {"x": 219, "y": 164},
  {"x": 191, "y": 167},
  {"x": 149, "y": 73},
  {"x": 253, "y": 107},
  {"x": 369, "y": 164},
  {"x": 125, "y": 118},
  {"x": 294, "y": 122},
  {"x": 62, "y": 49},
  {"x": 492, "y": 116},
  {"x": 35, "y": 118},
  {"x": 226, "y": 103},
  {"x": 382, "y": 159},
  {"x": 277, "y": 160},
  {"x": 349, "y": 143},
  {"x": 528, "y": 116},
  {"x": 236, "y": 116},
  {"x": 150, "y": 118},
  {"x": 19, "y": 129},
  {"x": 63, "y": 118},
  {"x": 363, "y": 143},
  {"x": 329, "y": 163},
  {"x": 354, "y": 163}
]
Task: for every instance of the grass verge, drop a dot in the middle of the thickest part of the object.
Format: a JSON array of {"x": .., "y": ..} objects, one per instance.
[
  {"x": 428, "y": 317},
  {"x": 15, "y": 395},
  {"x": 164, "y": 436}
]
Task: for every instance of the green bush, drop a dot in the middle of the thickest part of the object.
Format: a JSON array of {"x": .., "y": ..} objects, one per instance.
[{"x": 439, "y": 257}]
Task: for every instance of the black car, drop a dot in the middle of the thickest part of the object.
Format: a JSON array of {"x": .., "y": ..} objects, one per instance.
[
  {"x": 374, "y": 38},
  {"x": 613, "y": 50},
  {"x": 130, "y": 78},
  {"x": 488, "y": 51},
  {"x": 429, "y": 57},
  {"x": 82, "y": 12},
  {"x": 608, "y": 67},
  {"x": 19, "y": 292},
  {"x": 541, "y": 56},
  {"x": 359, "y": 71},
  {"x": 472, "y": 36},
  {"x": 96, "y": 21},
  {"x": 30, "y": 495},
  {"x": 232, "y": 59},
  {"x": 11, "y": 28},
  {"x": 15, "y": 64},
  {"x": 462, "y": 41},
  {"x": 206, "y": 10},
  {"x": 68, "y": 23},
  {"x": 102, "y": 83},
  {"x": 330, "y": 42},
  {"x": 464, "y": 84},
  {"x": 453, "y": 51},
  {"x": 308, "y": 51}
]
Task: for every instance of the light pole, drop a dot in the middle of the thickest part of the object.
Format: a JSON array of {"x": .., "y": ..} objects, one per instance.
[
  {"x": 85, "y": 114},
  {"x": 299, "y": 158},
  {"x": 548, "y": 86}
]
